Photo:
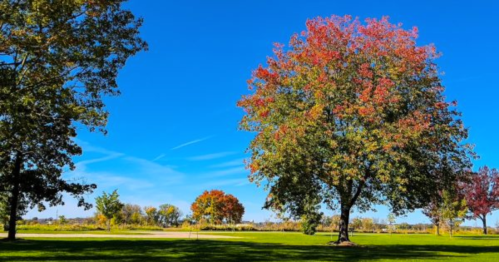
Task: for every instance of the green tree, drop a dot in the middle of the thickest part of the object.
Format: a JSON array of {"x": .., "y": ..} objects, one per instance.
[
  {"x": 391, "y": 221},
  {"x": 152, "y": 215},
  {"x": 58, "y": 59},
  {"x": 354, "y": 114},
  {"x": 356, "y": 223},
  {"x": 454, "y": 210},
  {"x": 108, "y": 205},
  {"x": 131, "y": 214},
  {"x": 4, "y": 211},
  {"x": 169, "y": 215},
  {"x": 368, "y": 224},
  {"x": 433, "y": 210},
  {"x": 311, "y": 219},
  {"x": 62, "y": 220}
]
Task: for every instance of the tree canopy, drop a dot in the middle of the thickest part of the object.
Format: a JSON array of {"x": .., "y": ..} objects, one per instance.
[
  {"x": 353, "y": 114},
  {"x": 109, "y": 205},
  {"x": 217, "y": 207},
  {"x": 58, "y": 59},
  {"x": 482, "y": 194}
]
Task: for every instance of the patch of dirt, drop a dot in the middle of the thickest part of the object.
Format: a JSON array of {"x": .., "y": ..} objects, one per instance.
[{"x": 343, "y": 244}]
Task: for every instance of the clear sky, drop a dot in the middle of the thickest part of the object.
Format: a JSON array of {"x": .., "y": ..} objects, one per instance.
[{"x": 174, "y": 130}]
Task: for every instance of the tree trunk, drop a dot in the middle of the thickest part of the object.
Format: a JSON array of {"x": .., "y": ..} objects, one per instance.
[
  {"x": 437, "y": 231},
  {"x": 108, "y": 225},
  {"x": 344, "y": 219},
  {"x": 484, "y": 220},
  {"x": 14, "y": 200}
]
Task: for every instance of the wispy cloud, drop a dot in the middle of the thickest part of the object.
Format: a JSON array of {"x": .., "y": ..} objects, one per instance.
[
  {"x": 226, "y": 172},
  {"x": 159, "y": 157},
  {"x": 161, "y": 174},
  {"x": 90, "y": 148},
  {"x": 219, "y": 183},
  {"x": 132, "y": 173},
  {"x": 109, "y": 180},
  {"x": 236, "y": 162},
  {"x": 211, "y": 156},
  {"x": 191, "y": 143},
  {"x": 82, "y": 164}
]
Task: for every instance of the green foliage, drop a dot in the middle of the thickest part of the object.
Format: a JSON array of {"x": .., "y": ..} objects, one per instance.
[
  {"x": 152, "y": 215},
  {"x": 454, "y": 210},
  {"x": 169, "y": 215},
  {"x": 391, "y": 222},
  {"x": 131, "y": 214},
  {"x": 108, "y": 205},
  {"x": 62, "y": 220},
  {"x": 310, "y": 223},
  {"x": 58, "y": 60},
  {"x": 343, "y": 118}
]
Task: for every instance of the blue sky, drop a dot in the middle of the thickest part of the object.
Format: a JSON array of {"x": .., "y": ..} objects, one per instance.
[{"x": 173, "y": 131}]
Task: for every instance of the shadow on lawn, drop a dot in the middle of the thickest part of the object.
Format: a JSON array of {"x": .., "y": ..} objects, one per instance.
[
  {"x": 212, "y": 250},
  {"x": 478, "y": 237}
]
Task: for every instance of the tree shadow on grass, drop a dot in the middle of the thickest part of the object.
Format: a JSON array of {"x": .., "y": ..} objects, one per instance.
[
  {"x": 217, "y": 250},
  {"x": 478, "y": 237}
]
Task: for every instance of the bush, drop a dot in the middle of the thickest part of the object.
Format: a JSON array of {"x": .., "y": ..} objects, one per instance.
[
  {"x": 246, "y": 227},
  {"x": 82, "y": 227},
  {"x": 75, "y": 227}
]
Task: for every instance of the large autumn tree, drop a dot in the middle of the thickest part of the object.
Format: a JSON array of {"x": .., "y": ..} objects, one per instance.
[
  {"x": 217, "y": 207},
  {"x": 353, "y": 114},
  {"x": 58, "y": 59},
  {"x": 482, "y": 194}
]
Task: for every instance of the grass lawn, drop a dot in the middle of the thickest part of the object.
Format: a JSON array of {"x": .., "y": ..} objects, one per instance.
[
  {"x": 257, "y": 247},
  {"x": 100, "y": 232}
]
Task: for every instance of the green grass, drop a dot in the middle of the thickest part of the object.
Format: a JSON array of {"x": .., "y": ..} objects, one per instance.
[{"x": 257, "y": 247}]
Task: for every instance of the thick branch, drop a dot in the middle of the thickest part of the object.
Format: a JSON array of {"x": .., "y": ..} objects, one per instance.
[{"x": 360, "y": 188}]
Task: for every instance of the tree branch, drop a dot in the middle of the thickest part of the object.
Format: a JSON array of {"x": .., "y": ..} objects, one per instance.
[{"x": 361, "y": 186}]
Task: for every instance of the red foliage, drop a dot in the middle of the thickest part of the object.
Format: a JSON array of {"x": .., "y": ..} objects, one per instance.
[
  {"x": 217, "y": 207},
  {"x": 482, "y": 193}
]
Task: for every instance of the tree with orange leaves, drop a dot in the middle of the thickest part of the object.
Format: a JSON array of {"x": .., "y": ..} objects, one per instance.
[
  {"x": 352, "y": 114},
  {"x": 217, "y": 207}
]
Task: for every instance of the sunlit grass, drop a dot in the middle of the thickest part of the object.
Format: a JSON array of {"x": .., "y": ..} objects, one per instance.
[{"x": 255, "y": 246}]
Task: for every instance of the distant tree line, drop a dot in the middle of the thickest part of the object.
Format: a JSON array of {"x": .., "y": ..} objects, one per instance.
[{"x": 111, "y": 211}]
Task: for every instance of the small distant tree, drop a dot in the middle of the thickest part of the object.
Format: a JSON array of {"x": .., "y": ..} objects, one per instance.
[
  {"x": 62, "y": 220},
  {"x": 356, "y": 223},
  {"x": 108, "y": 205},
  {"x": 169, "y": 215},
  {"x": 377, "y": 223},
  {"x": 232, "y": 210},
  {"x": 482, "y": 194},
  {"x": 217, "y": 207},
  {"x": 131, "y": 214},
  {"x": 367, "y": 224},
  {"x": 391, "y": 221},
  {"x": 453, "y": 210},
  {"x": 335, "y": 223},
  {"x": 434, "y": 212},
  {"x": 152, "y": 215}
]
